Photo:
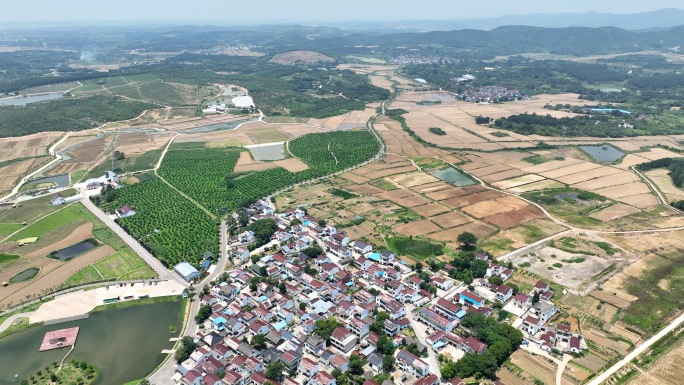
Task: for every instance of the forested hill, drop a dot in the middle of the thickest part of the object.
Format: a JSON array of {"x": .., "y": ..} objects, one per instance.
[{"x": 516, "y": 39}]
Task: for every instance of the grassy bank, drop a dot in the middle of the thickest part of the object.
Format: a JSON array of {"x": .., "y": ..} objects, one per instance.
[{"x": 139, "y": 302}]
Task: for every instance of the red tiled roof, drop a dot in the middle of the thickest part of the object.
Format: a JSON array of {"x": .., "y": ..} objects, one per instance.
[{"x": 340, "y": 333}]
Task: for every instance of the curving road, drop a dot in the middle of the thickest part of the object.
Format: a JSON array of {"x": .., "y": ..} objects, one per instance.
[
  {"x": 163, "y": 374},
  {"x": 51, "y": 152}
]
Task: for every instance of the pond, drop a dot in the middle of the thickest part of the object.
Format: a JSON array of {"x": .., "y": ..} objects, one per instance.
[
  {"x": 75, "y": 250},
  {"x": 25, "y": 275},
  {"x": 270, "y": 151},
  {"x": 453, "y": 176},
  {"x": 124, "y": 344},
  {"x": 24, "y": 100},
  {"x": 604, "y": 153},
  {"x": 58, "y": 180}
]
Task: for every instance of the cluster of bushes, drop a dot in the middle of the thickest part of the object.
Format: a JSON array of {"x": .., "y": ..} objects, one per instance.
[{"x": 502, "y": 339}]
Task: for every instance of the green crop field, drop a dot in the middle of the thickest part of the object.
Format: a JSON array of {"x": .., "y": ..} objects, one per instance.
[
  {"x": 414, "y": 247},
  {"x": 123, "y": 265},
  {"x": 8, "y": 257},
  {"x": 60, "y": 218},
  {"x": 175, "y": 230},
  {"x": 206, "y": 174},
  {"x": 144, "y": 161},
  {"x": 28, "y": 212},
  {"x": 166, "y": 223},
  {"x": 9, "y": 228},
  {"x": 200, "y": 173}
]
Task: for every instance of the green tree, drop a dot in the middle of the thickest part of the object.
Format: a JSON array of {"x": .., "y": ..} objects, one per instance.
[
  {"x": 325, "y": 327},
  {"x": 495, "y": 280},
  {"x": 379, "y": 325},
  {"x": 274, "y": 370},
  {"x": 467, "y": 240},
  {"x": 500, "y": 350},
  {"x": 203, "y": 314},
  {"x": 535, "y": 297},
  {"x": 253, "y": 283},
  {"x": 258, "y": 342},
  {"x": 282, "y": 288},
  {"x": 356, "y": 364},
  {"x": 388, "y": 362},
  {"x": 313, "y": 251},
  {"x": 479, "y": 268},
  {"x": 302, "y": 306},
  {"x": 187, "y": 346},
  {"x": 385, "y": 345}
]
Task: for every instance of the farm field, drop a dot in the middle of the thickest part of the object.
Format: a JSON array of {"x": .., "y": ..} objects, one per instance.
[
  {"x": 52, "y": 231},
  {"x": 300, "y": 56},
  {"x": 147, "y": 88},
  {"x": 664, "y": 183},
  {"x": 175, "y": 231},
  {"x": 526, "y": 367},
  {"x": 183, "y": 231},
  {"x": 651, "y": 286},
  {"x": 27, "y": 146},
  {"x": 11, "y": 173},
  {"x": 321, "y": 154}
]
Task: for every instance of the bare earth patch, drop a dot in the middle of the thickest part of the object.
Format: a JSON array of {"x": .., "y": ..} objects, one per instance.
[
  {"x": 52, "y": 280},
  {"x": 451, "y": 219},
  {"x": 430, "y": 209},
  {"x": 292, "y": 57},
  {"x": 291, "y": 164},
  {"x": 479, "y": 229},
  {"x": 615, "y": 211},
  {"x": 417, "y": 228}
]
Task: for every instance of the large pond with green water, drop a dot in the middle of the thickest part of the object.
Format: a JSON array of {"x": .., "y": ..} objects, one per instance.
[
  {"x": 603, "y": 153},
  {"x": 453, "y": 176},
  {"x": 124, "y": 344}
]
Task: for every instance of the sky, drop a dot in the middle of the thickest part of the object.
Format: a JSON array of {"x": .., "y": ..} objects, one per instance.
[{"x": 302, "y": 11}]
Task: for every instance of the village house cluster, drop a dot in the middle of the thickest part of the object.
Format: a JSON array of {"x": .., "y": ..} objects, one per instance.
[
  {"x": 420, "y": 59},
  {"x": 283, "y": 299},
  {"x": 492, "y": 94}
]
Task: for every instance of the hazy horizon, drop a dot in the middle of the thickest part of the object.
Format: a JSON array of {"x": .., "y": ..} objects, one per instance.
[{"x": 298, "y": 11}]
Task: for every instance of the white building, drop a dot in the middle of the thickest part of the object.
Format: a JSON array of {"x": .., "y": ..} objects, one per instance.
[{"x": 186, "y": 271}]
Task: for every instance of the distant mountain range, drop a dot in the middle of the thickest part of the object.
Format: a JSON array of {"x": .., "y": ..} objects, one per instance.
[{"x": 663, "y": 18}]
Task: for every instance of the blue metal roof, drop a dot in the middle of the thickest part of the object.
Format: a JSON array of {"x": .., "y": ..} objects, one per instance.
[
  {"x": 374, "y": 257},
  {"x": 280, "y": 325}
]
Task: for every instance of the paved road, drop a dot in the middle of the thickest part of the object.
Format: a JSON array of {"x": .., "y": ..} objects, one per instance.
[
  {"x": 419, "y": 329},
  {"x": 163, "y": 375},
  {"x": 25, "y": 179},
  {"x": 639, "y": 349},
  {"x": 8, "y": 322},
  {"x": 163, "y": 272}
]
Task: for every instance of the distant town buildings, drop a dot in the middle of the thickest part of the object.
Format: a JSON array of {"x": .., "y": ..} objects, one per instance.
[
  {"x": 493, "y": 94},
  {"x": 420, "y": 59}
]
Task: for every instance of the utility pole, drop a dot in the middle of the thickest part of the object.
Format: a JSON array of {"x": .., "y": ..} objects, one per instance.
[{"x": 561, "y": 150}]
